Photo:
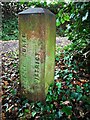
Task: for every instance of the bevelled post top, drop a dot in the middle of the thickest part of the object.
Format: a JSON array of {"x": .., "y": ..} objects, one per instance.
[{"x": 35, "y": 11}]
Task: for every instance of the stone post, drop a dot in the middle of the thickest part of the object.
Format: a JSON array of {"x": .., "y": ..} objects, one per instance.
[{"x": 37, "y": 32}]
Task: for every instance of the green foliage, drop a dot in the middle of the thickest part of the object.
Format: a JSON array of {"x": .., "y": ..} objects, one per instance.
[
  {"x": 67, "y": 110},
  {"x": 69, "y": 96},
  {"x": 72, "y": 92},
  {"x": 10, "y": 12},
  {"x": 10, "y": 29}
]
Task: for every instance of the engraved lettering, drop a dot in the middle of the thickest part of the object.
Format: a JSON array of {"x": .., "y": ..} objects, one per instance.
[
  {"x": 36, "y": 78},
  {"x": 24, "y": 45},
  {"x": 24, "y": 49},
  {"x": 37, "y": 66}
]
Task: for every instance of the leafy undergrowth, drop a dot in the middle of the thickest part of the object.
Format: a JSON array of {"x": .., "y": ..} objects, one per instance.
[
  {"x": 68, "y": 98},
  {"x": 10, "y": 29}
]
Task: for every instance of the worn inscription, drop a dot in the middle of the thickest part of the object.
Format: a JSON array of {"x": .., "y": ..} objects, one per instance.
[
  {"x": 24, "y": 45},
  {"x": 32, "y": 52},
  {"x": 39, "y": 59},
  {"x": 24, "y": 49},
  {"x": 37, "y": 66}
]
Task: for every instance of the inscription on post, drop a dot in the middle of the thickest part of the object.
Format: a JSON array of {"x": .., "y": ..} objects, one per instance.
[
  {"x": 37, "y": 52},
  {"x": 37, "y": 66},
  {"x": 23, "y": 52},
  {"x": 24, "y": 45},
  {"x": 39, "y": 55}
]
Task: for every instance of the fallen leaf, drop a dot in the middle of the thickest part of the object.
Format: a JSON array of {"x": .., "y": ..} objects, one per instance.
[{"x": 66, "y": 102}]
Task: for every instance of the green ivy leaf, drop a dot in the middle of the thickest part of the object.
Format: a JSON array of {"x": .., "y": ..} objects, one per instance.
[
  {"x": 33, "y": 113},
  {"x": 66, "y": 17},
  {"x": 62, "y": 20},
  {"x": 57, "y": 58},
  {"x": 78, "y": 88},
  {"x": 13, "y": 91},
  {"x": 60, "y": 114},
  {"x": 26, "y": 110},
  {"x": 67, "y": 110},
  {"x": 79, "y": 96},
  {"x": 58, "y": 84},
  {"x": 57, "y": 22}
]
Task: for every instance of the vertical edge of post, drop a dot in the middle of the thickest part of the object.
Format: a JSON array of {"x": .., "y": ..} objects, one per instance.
[{"x": 50, "y": 50}]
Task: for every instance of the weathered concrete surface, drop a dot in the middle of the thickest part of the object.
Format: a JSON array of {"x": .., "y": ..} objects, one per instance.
[{"x": 37, "y": 36}]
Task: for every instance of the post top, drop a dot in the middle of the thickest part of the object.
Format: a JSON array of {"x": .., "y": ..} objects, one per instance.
[{"x": 35, "y": 11}]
